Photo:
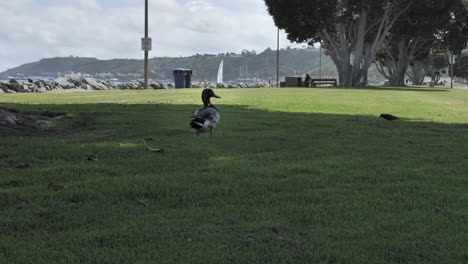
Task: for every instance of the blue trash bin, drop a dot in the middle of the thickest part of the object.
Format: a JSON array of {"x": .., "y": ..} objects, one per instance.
[{"x": 182, "y": 78}]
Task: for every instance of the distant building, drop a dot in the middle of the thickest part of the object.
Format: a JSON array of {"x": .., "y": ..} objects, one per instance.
[
  {"x": 103, "y": 75},
  {"x": 73, "y": 75}
]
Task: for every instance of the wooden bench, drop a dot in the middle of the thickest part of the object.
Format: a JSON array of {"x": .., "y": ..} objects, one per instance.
[{"x": 315, "y": 82}]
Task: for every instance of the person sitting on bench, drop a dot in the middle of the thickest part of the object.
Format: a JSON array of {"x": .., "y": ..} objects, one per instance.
[{"x": 307, "y": 80}]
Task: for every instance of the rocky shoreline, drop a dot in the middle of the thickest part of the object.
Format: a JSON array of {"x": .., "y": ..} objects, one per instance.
[{"x": 42, "y": 86}]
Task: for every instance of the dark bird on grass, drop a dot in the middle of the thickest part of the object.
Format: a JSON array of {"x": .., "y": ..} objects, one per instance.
[
  {"x": 388, "y": 117},
  {"x": 206, "y": 118}
]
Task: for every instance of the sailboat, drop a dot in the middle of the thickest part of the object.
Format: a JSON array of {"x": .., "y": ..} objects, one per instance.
[{"x": 220, "y": 72}]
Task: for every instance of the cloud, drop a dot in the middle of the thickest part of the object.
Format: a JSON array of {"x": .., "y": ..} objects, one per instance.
[{"x": 34, "y": 29}]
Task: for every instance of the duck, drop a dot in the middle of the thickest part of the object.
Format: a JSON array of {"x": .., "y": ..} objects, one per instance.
[{"x": 207, "y": 117}]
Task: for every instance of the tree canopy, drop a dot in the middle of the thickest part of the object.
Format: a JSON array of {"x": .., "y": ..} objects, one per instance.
[
  {"x": 427, "y": 24},
  {"x": 350, "y": 30},
  {"x": 460, "y": 68}
]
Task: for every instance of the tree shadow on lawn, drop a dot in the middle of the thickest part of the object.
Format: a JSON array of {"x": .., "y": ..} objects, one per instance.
[
  {"x": 116, "y": 122},
  {"x": 281, "y": 180}
]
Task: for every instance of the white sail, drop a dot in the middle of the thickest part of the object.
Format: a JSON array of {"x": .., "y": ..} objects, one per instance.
[{"x": 220, "y": 72}]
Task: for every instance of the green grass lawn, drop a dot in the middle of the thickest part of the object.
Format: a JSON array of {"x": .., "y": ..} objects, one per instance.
[{"x": 290, "y": 176}]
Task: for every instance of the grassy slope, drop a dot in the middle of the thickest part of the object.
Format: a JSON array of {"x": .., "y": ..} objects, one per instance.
[{"x": 291, "y": 176}]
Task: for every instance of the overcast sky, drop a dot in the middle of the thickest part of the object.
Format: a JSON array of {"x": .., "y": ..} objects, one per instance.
[{"x": 106, "y": 29}]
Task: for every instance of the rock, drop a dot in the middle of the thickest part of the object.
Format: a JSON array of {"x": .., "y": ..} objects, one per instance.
[
  {"x": 32, "y": 87},
  {"x": 25, "y": 89},
  {"x": 122, "y": 86},
  {"x": 1, "y": 91},
  {"x": 64, "y": 83},
  {"x": 40, "y": 83},
  {"x": 135, "y": 85},
  {"x": 14, "y": 86},
  {"x": 77, "y": 82},
  {"x": 14, "y": 81},
  {"x": 111, "y": 85},
  {"x": 156, "y": 86},
  {"x": 94, "y": 84},
  {"x": 91, "y": 84},
  {"x": 140, "y": 85}
]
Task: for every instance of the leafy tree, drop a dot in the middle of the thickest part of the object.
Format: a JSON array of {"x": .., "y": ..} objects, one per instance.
[
  {"x": 460, "y": 68},
  {"x": 451, "y": 39},
  {"x": 415, "y": 32},
  {"x": 350, "y": 30},
  {"x": 436, "y": 64},
  {"x": 455, "y": 33}
]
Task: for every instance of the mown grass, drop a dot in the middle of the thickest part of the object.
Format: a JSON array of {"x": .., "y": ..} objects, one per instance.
[{"x": 290, "y": 176}]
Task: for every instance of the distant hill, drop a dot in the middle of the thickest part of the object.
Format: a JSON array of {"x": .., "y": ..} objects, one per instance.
[{"x": 247, "y": 65}]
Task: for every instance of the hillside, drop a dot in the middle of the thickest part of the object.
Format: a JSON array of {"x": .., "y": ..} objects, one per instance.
[{"x": 248, "y": 65}]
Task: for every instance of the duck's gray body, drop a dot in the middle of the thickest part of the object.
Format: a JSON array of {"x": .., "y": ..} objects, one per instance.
[
  {"x": 209, "y": 116},
  {"x": 206, "y": 118}
]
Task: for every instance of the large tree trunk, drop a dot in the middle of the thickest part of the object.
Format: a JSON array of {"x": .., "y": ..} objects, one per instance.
[
  {"x": 353, "y": 46},
  {"x": 435, "y": 78},
  {"x": 365, "y": 79},
  {"x": 395, "y": 60},
  {"x": 417, "y": 72}
]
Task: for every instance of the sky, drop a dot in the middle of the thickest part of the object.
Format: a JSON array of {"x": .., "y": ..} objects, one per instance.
[{"x": 107, "y": 29}]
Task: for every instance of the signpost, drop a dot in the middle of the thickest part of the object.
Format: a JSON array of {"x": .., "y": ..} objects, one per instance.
[
  {"x": 277, "y": 59},
  {"x": 451, "y": 61},
  {"x": 320, "y": 62},
  {"x": 146, "y": 44}
]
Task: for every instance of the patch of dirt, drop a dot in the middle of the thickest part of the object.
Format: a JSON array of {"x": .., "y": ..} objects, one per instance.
[{"x": 16, "y": 122}]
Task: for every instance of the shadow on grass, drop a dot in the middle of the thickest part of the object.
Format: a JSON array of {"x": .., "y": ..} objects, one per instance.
[
  {"x": 165, "y": 118},
  {"x": 269, "y": 186}
]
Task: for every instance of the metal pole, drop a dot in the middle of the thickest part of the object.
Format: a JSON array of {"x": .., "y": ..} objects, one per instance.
[
  {"x": 146, "y": 50},
  {"x": 451, "y": 71},
  {"x": 277, "y": 60},
  {"x": 320, "y": 68}
]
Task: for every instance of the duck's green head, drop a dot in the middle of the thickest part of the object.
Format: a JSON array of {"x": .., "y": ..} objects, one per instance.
[{"x": 207, "y": 94}]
